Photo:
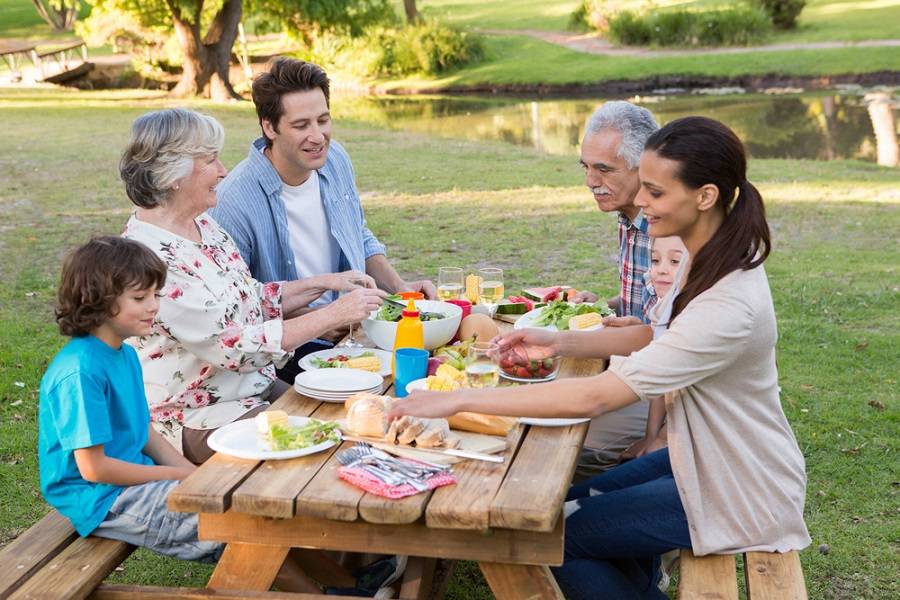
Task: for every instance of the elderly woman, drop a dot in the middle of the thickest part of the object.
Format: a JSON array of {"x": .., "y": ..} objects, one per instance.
[{"x": 219, "y": 334}]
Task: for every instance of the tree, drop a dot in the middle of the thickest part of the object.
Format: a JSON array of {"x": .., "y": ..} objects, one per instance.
[
  {"x": 59, "y": 14},
  {"x": 412, "y": 13}
]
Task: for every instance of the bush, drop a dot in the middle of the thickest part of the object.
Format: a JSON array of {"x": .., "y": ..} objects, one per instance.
[
  {"x": 784, "y": 13},
  {"x": 739, "y": 26},
  {"x": 425, "y": 48}
]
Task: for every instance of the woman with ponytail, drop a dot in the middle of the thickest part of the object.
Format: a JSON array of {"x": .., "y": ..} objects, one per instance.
[{"x": 733, "y": 477}]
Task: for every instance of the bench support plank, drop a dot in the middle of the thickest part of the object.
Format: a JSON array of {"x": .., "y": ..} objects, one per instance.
[
  {"x": 248, "y": 567},
  {"x": 129, "y": 592},
  {"x": 513, "y": 582}
]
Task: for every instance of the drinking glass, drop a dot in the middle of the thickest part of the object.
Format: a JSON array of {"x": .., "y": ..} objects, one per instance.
[
  {"x": 349, "y": 342},
  {"x": 482, "y": 369},
  {"x": 490, "y": 288},
  {"x": 450, "y": 283}
]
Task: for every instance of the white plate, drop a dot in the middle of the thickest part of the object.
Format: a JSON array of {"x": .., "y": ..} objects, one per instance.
[
  {"x": 528, "y": 319},
  {"x": 550, "y": 422},
  {"x": 418, "y": 384},
  {"x": 335, "y": 398},
  {"x": 385, "y": 357},
  {"x": 239, "y": 439},
  {"x": 338, "y": 380}
]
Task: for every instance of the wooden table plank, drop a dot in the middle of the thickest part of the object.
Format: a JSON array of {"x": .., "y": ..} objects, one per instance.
[
  {"x": 416, "y": 539},
  {"x": 143, "y": 592},
  {"x": 273, "y": 487},
  {"x": 467, "y": 505},
  {"x": 531, "y": 496},
  {"x": 209, "y": 488}
]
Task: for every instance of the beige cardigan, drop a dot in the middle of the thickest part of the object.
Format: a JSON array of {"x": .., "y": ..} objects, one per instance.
[{"x": 739, "y": 471}]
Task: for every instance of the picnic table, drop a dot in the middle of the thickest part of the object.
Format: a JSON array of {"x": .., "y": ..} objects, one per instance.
[{"x": 507, "y": 517}]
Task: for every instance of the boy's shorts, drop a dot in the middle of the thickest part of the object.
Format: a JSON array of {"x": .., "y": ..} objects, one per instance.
[{"x": 139, "y": 517}]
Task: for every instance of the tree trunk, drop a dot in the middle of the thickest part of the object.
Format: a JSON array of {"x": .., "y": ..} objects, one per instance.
[
  {"x": 207, "y": 59},
  {"x": 412, "y": 14},
  {"x": 61, "y": 17},
  {"x": 879, "y": 105}
]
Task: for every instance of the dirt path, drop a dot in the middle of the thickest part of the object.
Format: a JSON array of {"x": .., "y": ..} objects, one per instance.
[{"x": 592, "y": 43}]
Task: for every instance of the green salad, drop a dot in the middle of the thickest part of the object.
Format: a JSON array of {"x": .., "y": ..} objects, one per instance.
[
  {"x": 312, "y": 433},
  {"x": 338, "y": 361},
  {"x": 392, "y": 310},
  {"x": 559, "y": 312}
]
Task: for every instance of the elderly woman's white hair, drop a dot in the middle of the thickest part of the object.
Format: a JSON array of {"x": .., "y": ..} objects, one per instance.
[
  {"x": 162, "y": 150},
  {"x": 635, "y": 123}
]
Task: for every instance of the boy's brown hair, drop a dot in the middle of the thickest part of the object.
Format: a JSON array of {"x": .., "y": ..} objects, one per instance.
[
  {"x": 285, "y": 75},
  {"x": 96, "y": 274}
]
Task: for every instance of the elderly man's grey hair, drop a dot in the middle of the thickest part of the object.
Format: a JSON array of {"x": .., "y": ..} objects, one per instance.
[
  {"x": 162, "y": 150},
  {"x": 635, "y": 123}
]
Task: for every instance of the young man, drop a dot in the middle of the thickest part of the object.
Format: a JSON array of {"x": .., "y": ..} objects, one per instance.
[
  {"x": 292, "y": 205},
  {"x": 610, "y": 152}
]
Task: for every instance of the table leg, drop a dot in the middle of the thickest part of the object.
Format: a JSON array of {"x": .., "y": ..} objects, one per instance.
[
  {"x": 250, "y": 567},
  {"x": 418, "y": 578},
  {"x": 514, "y": 582}
]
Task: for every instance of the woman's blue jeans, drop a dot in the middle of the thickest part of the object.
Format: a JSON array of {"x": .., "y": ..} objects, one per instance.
[{"x": 623, "y": 520}]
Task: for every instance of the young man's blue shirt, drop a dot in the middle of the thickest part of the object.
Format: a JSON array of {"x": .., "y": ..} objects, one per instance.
[{"x": 91, "y": 394}]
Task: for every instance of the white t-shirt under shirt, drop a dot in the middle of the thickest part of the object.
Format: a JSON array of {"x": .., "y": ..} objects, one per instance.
[{"x": 315, "y": 250}]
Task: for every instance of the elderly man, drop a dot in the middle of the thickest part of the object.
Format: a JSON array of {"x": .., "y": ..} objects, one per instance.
[
  {"x": 292, "y": 205},
  {"x": 610, "y": 152}
]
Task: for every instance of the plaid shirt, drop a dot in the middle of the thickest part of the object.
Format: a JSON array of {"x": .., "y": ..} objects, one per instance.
[{"x": 634, "y": 261}]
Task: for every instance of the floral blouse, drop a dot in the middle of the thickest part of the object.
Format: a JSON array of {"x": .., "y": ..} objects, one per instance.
[{"x": 217, "y": 337}]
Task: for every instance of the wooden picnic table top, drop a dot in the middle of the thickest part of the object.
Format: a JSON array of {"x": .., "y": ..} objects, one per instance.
[
  {"x": 15, "y": 47},
  {"x": 501, "y": 513}
]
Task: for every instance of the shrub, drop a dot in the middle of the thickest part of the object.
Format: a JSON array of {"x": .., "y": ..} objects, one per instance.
[
  {"x": 737, "y": 26},
  {"x": 784, "y": 13},
  {"x": 426, "y": 48}
]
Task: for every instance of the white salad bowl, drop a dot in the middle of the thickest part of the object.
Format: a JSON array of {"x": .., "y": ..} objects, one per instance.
[{"x": 437, "y": 333}]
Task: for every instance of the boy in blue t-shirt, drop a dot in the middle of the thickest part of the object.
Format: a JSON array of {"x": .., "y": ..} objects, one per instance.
[{"x": 102, "y": 464}]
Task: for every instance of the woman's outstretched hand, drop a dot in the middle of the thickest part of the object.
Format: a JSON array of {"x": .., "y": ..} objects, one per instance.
[
  {"x": 420, "y": 403},
  {"x": 524, "y": 345},
  {"x": 355, "y": 306}
]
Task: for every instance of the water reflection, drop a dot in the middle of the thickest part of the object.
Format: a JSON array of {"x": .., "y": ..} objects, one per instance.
[{"x": 822, "y": 126}]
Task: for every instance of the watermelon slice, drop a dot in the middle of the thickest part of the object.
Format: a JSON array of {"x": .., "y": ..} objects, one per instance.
[{"x": 545, "y": 294}]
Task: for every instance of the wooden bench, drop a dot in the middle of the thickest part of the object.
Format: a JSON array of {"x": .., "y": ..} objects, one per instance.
[
  {"x": 769, "y": 576},
  {"x": 50, "y": 560}
]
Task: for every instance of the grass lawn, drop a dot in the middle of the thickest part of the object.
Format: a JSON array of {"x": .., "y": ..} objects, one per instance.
[
  {"x": 821, "y": 20},
  {"x": 833, "y": 274}
]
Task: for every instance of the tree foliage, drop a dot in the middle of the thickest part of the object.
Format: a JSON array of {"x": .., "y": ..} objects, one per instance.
[{"x": 306, "y": 19}]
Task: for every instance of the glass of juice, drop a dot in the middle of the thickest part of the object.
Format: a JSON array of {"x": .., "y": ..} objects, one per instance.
[
  {"x": 450, "y": 283},
  {"x": 482, "y": 370},
  {"x": 490, "y": 289}
]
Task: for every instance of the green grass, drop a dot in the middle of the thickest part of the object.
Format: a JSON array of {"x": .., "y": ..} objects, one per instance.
[
  {"x": 525, "y": 60},
  {"x": 821, "y": 20},
  {"x": 833, "y": 275},
  {"x": 21, "y": 20}
]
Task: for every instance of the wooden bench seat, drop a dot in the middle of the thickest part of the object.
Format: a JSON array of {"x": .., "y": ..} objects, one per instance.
[
  {"x": 50, "y": 560},
  {"x": 769, "y": 576}
]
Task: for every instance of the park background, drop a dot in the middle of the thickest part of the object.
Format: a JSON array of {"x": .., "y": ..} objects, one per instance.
[{"x": 491, "y": 178}]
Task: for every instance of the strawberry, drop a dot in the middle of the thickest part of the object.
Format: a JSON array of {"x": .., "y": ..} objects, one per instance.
[{"x": 523, "y": 372}]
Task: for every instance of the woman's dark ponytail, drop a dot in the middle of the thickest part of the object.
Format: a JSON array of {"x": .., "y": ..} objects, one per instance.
[{"x": 708, "y": 152}]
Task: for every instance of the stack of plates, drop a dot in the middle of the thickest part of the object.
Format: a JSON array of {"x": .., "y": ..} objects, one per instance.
[{"x": 336, "y": 385}]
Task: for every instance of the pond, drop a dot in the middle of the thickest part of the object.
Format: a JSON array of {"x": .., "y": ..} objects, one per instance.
[{"x": 822, "y": 125}]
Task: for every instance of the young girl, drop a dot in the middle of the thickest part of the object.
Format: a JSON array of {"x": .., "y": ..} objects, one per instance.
[
  {"x": 733, "y": 478},
  {"x": 667, "y": 256}
]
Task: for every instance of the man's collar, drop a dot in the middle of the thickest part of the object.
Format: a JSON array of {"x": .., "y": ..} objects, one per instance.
[
  {"x": 269, "y": 178},
  {"x": 639, "y": 223}
]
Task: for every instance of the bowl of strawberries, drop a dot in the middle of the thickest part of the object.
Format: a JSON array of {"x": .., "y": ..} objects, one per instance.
[{"x": 515, "y": 368}]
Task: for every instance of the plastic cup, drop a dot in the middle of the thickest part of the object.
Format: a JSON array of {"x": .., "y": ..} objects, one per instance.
[
  {"x": 466, "y": 307},
  {"x": 409, "y": 364},
  {"x": 412, "y": 295}
]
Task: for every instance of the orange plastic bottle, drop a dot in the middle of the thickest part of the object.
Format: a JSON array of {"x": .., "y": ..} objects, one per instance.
[{"x": 409, "y": 331}]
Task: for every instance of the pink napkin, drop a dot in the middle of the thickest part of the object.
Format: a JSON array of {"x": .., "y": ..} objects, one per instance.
[{"x": 365, "y": 480}]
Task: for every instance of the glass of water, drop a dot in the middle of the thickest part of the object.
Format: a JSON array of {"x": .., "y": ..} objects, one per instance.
[{"x": 482, "y": 370}]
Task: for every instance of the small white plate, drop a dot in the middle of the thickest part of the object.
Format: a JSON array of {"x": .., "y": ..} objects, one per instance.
[
  {"x": 418, "y": 384},
  {"x": 338, "y": 380},
  {"x": 239, "y": 439},
  {"x": 384, "y": 356},
  {"x": 527, "y": 320},
  {"x": 550, "y": 422}
]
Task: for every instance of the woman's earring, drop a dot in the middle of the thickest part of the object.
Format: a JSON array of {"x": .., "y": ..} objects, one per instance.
[{"x": 176, "y": 187}]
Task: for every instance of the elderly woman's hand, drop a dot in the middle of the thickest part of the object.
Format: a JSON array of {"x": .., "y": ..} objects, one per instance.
[
  {"x": 355, "y": 306},
  {"x": 347, "y": 281}
]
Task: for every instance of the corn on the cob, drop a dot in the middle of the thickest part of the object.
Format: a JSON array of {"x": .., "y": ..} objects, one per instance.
[
  {"x": 448, "y": 372},
  {"x": 441, "y": 384},
  {"x": 584, "y": 321},
  {"x": 366, "y": 363}
]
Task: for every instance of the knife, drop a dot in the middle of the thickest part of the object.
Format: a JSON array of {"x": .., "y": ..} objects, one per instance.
[{"x": 387, "y": 447}]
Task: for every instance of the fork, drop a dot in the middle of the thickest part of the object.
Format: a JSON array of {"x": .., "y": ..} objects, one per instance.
[
  {"x": 348, "y": 458},
  {"x": 378, "y": 452},
  {"x": 400, "y": 471}
]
